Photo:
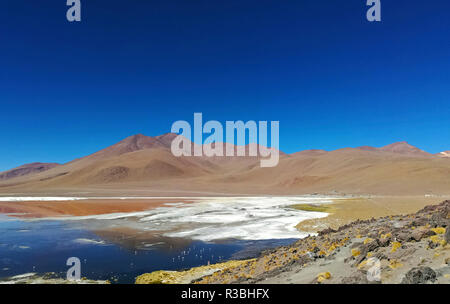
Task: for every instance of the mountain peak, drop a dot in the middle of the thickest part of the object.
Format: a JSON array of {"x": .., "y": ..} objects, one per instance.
[
  {"x": 398, "y": 145},
  {"x": 135, "y": 138},
  {"x": 403, "y": 147},
  {"x": 134, "y": 143},
  {"x": 166, "y": 139}
]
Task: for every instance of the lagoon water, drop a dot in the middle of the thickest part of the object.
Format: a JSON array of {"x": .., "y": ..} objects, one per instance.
[{"x": 119, "y": 247}]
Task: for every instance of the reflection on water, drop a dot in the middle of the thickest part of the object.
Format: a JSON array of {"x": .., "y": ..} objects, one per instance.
[
  {"x": 120, "y": 246},
  {"x": 216, "y": 218},
  {"x": 116, "y": 254}
]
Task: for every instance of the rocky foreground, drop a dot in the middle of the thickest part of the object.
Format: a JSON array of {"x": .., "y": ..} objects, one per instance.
[{"x": 408, "y": 249}]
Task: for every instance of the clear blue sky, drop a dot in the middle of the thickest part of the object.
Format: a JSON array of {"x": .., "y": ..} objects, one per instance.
[{"x": 331, "y": 78}]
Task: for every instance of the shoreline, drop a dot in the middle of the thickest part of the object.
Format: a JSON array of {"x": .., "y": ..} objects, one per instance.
[
  {"x": 86, "y": 207},
  {"x": 342, "y": 212},
  {"x": 408, "y": 249},
  {"x": 38, "y": 207}
]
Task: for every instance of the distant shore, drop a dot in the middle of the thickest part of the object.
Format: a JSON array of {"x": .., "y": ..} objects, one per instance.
[
  {"x": 43, "y": 209},
  {"x": 346, "y": 210}
]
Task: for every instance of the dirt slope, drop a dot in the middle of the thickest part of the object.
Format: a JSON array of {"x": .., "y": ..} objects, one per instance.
[{"x": 27, "y": 170}]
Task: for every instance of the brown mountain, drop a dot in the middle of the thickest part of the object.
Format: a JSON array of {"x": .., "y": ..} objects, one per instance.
[
  {"x": 135, "y": 143},
  {"x": 145, "y": 165},
  {"x": 27, "y": 170},
  {"x": 404, "y": 148},
  {"x": 354, "y": 171},
  {"x": 398, "y": 148}
]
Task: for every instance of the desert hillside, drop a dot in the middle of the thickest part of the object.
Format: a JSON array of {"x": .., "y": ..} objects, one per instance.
[
  {"x": 141, "y": 164},
  {"x": 26, "y": 170}
]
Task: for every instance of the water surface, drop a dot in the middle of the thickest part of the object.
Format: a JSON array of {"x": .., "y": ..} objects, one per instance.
[{"x": 119, "y": 247}]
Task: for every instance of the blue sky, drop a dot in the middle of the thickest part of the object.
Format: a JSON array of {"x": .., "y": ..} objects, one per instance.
[{"x": 331, "y": 78}]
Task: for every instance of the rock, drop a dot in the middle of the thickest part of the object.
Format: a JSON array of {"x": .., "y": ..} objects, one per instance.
[
  {"x": 407, "y": 251},
  {"x": 447, "y": 235},
  {"x": 371, "y": 246},
  {"x": 321, "y": 277},
  {"x": 419, "y": 234},
  {"x": 381, "y": 256},
  {"x": 326, "y": 231},
  {"x": 356, "y": 245},
  {"x": 384, "y": 242},
  {"x": 419, "y": 222},
  {"x": 361, "y": 252},
  {"x": 403, "y": 237},
  {"x": 359, "y": 259},
  {"x": 429, "y": 208},
  {"x": 433, "y": 245},
  {"x": 438, "y": 220},
  {"x": 372, "y": 235},
  {"x": 356, "y": 278},
  {"x": 419, "y": 275}
]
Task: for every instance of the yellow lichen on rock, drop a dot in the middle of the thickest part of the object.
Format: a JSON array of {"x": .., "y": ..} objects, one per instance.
[
  {"x": 362, "y": 264},
  {"x": 355, "y": 252},
  {"x": 385, "y": 236},
  {"x": 186, "y": 277},
  {"x": 395, "y": 246},
  {"x": 437, "y": 239},
  {"x": 368, "y": 240},
  {"x": 157, "y": 277},
  {"x": 395, "y": 264},
  {"x": 323, "y": 276},
  {"x": 332, "y": 248},
  {"x": 438, "y": 230}
]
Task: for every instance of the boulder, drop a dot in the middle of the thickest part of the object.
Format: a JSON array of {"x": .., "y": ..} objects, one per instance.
[
  {"x": 439, "y": 220},
  {"x": 403, "y": 237},
  {"x": 384, "y": 242},
  {"x": 421, "y": 221},
  {"x": 433, "y": 245},
  {"x": 356, "y": 278},
  {"x": 419, "y": 275},
  {"x": 421, "y": 233},
  {"x": 371, "y": 246}
]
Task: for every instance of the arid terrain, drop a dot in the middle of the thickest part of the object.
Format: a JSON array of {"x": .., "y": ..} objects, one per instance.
[
  {"x": 141, "y": 165},
  {"x": 408, "y": 249},
  {"x": 140, "y": 174}
]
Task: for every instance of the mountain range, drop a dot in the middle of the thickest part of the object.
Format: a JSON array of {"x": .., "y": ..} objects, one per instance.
[{"x": 141, "y": 164}]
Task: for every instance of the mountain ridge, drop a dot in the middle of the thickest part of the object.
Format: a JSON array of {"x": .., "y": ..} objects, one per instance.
[
  {"x": 26, "y": 169},
  {"x": 144, "y": 162}
]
